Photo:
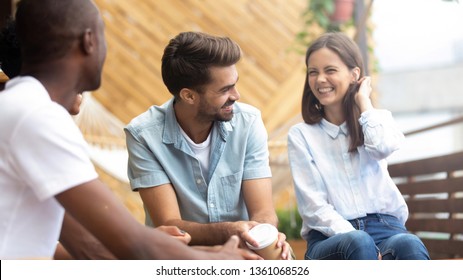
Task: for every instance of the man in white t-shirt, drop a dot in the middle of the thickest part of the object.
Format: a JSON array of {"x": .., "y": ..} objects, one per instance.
[{"x": 44, "y": 163}]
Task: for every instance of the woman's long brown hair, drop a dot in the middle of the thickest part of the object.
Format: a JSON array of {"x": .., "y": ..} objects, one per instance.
[{"x": 312, "y": 110}]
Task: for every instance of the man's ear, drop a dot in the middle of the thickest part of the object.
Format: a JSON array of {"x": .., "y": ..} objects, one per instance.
[
  {"x": 187, "y": 95},
  {"x": 88, "y": 43}
]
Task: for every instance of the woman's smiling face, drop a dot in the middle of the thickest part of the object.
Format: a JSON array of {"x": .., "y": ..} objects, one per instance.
[{"x": 328, "y": 76}]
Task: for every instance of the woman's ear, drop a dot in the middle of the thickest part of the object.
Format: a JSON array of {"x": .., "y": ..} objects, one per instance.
[{"x": 355, "y": 74}]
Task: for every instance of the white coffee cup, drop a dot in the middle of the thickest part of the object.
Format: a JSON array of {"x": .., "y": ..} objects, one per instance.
[{"x": 266, "y": 236}]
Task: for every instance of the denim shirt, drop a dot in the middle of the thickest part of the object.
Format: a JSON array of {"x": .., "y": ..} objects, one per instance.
[
  {"x": 334, "y": 185},
  {"x": 159, "y": 154}
]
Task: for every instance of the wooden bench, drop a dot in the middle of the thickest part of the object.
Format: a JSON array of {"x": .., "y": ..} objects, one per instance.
[{"x": 433, "y": 190}]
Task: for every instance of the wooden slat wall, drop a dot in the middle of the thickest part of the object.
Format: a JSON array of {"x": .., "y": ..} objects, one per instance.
[
  {"x": 433, "y": 189},
  {"x": 271, "y": 76}
]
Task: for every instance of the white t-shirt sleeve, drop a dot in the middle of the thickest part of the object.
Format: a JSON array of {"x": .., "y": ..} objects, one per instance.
[{"x": 50, "y": 153}]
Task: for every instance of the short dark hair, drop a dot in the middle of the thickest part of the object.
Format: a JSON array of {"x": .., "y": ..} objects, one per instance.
[
  {"x": 59, "y": 25},
  {"x": 188, "y": 57},
  {"x": 349, "y": 53},
  {"x": 10, "y": 53}
]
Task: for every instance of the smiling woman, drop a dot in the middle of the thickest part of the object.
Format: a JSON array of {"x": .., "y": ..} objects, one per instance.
[
  {"x": 334, "y": 64},
  {"x": 349, "y": 205},
  {"x": 330, "y": 80}
]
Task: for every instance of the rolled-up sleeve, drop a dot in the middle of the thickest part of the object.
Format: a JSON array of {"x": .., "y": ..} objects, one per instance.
[
  {"x": 256, "y": 163},
  {"x": 143, "y": 168}
]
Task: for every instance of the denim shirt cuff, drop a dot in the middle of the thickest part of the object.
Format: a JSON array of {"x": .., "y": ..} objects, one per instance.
[
  {"x": 257, "y": 173},
  {"x": 150, "y": 180}
]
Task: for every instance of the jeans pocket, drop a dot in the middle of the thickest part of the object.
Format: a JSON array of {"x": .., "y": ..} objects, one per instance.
[{"x": 392, "y": 222}]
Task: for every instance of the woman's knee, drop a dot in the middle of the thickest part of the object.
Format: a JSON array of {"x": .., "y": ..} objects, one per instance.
[
  {"x": 351, "y": 245},
  {"x": 405, "y": 240},
  {"x": 359, "y": 245},
  {"x": 405, "y": 246},
  {"x": 359, "y": 238}
]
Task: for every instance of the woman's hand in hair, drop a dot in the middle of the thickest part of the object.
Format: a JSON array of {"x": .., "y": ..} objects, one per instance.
[{"x": 362, "y": 98}]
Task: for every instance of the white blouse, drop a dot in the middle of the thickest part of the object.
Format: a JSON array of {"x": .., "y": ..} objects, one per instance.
[{"x": 333, "y": 185}]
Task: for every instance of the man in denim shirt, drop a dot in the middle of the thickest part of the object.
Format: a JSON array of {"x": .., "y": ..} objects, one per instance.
[{"x": 200, "y": 161}]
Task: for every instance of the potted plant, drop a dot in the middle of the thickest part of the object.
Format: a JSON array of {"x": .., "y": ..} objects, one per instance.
[
  {"x": 324, "y": 16},
  {"x": 343, "y": 10}
]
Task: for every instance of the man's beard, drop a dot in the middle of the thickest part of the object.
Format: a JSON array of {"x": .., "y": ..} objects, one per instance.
[{"x": 217, "y": 116}]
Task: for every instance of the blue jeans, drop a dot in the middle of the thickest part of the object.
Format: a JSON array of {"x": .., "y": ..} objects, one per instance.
[{"x": 375, "y": 233}]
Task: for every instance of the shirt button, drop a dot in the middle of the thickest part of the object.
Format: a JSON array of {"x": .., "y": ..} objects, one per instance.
[
  {"x": 198, "y": 181},
  {"x": 212, "y": 205}
]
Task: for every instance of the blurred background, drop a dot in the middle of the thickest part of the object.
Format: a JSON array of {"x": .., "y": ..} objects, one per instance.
[{"x": 413, "y": 50}]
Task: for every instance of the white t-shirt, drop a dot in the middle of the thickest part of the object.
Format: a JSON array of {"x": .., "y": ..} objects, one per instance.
[
  {"x": 201, "y": 150},
  {"x": 42, "y": 153}
]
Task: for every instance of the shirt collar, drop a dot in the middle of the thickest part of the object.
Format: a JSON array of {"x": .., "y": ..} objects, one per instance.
[
  {"x": 334, "y": 130},
  {"x": 171, "y": 126},
  {"x": 172, "y": 132}
]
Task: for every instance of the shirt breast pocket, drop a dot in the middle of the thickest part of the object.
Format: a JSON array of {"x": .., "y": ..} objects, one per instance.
[{"x": 231, "y": 191}]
